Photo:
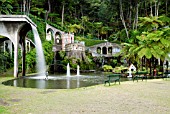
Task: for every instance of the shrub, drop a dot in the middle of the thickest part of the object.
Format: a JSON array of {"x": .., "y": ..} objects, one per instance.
[{"x": 107, "y": 68}]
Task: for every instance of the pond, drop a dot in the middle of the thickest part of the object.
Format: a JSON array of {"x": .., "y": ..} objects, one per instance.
[{"x": 59, "y": 81}]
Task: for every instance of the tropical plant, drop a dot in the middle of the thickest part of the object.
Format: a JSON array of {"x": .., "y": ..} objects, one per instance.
[
  {"x": 74, "y": 28},
  {"x": 107, "y": 68},
  {"x": 152, "y": 43},
  {"x": 119, "y": 69},
  {"x": 6, "y": 7},
  {"x": 48, "y": 53}
]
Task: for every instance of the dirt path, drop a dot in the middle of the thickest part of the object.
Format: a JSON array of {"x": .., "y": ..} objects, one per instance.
[{"x": 148, "y": 97}]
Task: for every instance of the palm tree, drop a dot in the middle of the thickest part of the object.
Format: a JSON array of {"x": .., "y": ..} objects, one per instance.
[
  {"x": 153, "y": 42},
  {"x": 74, "y": 28},
  {"x": 97, "y": 27},
  {"x": 84, "y": 20}
]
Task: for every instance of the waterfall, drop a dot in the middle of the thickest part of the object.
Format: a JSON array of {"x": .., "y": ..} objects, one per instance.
[{"x": 41, "y": 65}]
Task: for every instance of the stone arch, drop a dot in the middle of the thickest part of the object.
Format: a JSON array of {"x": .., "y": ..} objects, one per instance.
[
  {"x": 6, "y": 45},
  {"x": 104, "y": 50},
  {"x": 98, "y": 50},
  {"x": 15, "y": 27},
  {"x": 54, "y": 31},
  {"x": 110, "y": 50},
  {"x": 58, "y": 39},
  {"x": 49, "y": 34},
  {"x": 71, "y": 39},
  {"x": 22, "y": 39}
]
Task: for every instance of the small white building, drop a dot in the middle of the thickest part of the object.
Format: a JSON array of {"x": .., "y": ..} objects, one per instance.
[{"x": 105, "y": 49}]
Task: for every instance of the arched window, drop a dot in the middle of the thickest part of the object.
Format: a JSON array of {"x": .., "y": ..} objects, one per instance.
[
  {"x": 98, "y": 50},
  {"x": 110, "y": 50},
  {"x": 49, "y": 34},
  {"x": 58, "y": 38},
  {"x": 72, "y": 40},
  {"x": 104, "y": 50}
]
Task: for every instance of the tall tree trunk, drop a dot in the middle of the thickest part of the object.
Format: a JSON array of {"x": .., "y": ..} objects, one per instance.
[
  {"x": 62, "y": 23},
  {"x": 24, "y": 4},
  {"x": 130, "y": 14},
  {"x": 81, "y": 10},
  {"x": 135, "y": 23},
  {"x": 161, "y": 64},
  {"x": 28, "y": 5},
  {"x": 75, "y": 15},
  {"x": 155, "y": 8},
  {"x": 151, "y": 8},
  {"x": 49, "y": 10},
  {"x": 137, "y": 11},
  {"x": 150, "y": 66},
  {"x": 122, "y": 18},
  {"x": 166, "y": 7},
  {"x": 21, "y": 7},
  {"x": 98, "y": 34},
  {"x": 146, "y": 12}
]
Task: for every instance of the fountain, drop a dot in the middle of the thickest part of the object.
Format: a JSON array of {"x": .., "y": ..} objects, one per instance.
[
  {"x": 78, "y": 70},
  {"x": 68, "y": 82},
  {"x": 48, "y": 81},
  {"x": 68, "y": 70}
]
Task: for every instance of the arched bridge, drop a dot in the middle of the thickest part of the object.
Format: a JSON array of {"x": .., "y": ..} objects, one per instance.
[{"x": 15, "y": 28}]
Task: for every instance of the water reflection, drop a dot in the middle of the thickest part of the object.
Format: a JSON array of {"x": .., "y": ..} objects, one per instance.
[
  {"x": 56, "y": 83},
  {"x": 68, "y": 82},
  {"x": 41, "y": 84},
  {"x": 78, "y": 81},
  {"x": 15, "y": 83},
  {"x": 59, "y": 81}
]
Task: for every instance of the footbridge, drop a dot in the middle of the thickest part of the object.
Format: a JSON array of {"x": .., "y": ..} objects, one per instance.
[{"x": 15, "y": 28}]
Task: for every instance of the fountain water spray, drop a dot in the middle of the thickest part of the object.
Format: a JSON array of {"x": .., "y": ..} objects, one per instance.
[
  {"x": 68, "y": 69},
  {"x": 78, "y": 70},
  {"x": 41, "y": 65}
]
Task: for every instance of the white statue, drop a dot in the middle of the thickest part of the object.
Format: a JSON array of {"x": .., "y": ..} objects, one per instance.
[{"x": 131, "y": 68}]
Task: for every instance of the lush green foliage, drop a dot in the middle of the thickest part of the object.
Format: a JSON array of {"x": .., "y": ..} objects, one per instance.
[
  {"x": 31, "y": 61},
  {"x": 89, "y": 42},
  {"x": 6, "y": 61},
  {"x": 40, "y": 27},
  {"x": 87, "y": 64},
  {"x": 137, "y": 25},
  {"x": 31, "y": 56},
  {"x": 100, "y": 18},
  {"x": 47, "y": 48},
  {"x": 6, "y": 6},
  {"x": 153, "y": 41},
  {"x": 107, "y": 68},
  {"x": 120, "y": 69}
]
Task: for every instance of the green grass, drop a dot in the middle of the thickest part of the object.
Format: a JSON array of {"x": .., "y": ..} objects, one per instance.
[
  {"x": 4, "y": 110},
  {"x": 90, "y": 42},
  {"x": 151, "y": 96}
]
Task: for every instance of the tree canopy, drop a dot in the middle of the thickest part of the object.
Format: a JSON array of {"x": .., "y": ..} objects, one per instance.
[
  {"x": 103, "y": 19},
  {"x": 142, "y": 26}
]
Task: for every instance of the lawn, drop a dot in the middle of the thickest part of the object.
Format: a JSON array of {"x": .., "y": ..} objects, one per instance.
[{"x": 151, "y": 96}]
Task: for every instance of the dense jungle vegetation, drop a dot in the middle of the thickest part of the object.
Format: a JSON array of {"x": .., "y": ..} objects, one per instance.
[{"x": 141, "y": 26}]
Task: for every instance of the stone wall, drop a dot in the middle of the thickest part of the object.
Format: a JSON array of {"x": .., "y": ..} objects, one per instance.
[{"x": 76, "y": 50}]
